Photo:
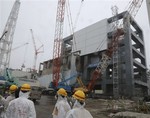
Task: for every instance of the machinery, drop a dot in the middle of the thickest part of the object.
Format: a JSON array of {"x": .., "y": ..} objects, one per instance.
[
  {"x": 58, "y": 42},
  {"x": 64, "y": 84},
  {"x": 7, "y": 37},
  {"x": 36, "y": 51}
]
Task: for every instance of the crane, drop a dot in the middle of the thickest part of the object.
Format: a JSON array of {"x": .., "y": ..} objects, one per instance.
[
  {"x": 7, "y": 37},
  {"x": 20, "y": 46},
  {"x": 36, "y": 51},
  {"x": 58, "y": 41},
  {"x": 113, "y": 45}
]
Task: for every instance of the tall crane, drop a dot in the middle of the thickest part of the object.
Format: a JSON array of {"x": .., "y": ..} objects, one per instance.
[
  {"x": 58, "y": 41},
  {"x": 113, "y": 46},
  {"x": 7, "y": 38},
  {"x": 36, "y": 51}
]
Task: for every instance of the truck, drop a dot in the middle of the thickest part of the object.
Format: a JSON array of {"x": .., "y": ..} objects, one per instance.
[{"x": 36, "y": 90}]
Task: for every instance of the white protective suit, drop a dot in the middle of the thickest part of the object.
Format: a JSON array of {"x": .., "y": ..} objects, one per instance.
[
  {"x": 21, "y": 107},
  {"x": 61, "y": 108},
  {"x": 78, "y": 111},
  {"x": 6, "y": 101}
]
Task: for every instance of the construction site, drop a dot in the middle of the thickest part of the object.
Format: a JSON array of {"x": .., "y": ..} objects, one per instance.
[{"x": 106, "y": 59}]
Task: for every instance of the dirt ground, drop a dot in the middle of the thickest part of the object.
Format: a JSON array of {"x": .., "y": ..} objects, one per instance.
[
  {"x": 106, "y": 108},
  {"x": 99, "y": 108}
]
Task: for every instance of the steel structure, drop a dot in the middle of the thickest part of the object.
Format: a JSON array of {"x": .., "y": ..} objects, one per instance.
[
  {"x": 58, "y": 41},
  {"x": 20, "y": 46},
  {"x": 113, "y": 46},
  {"x": 115, "y": 56},
  {"x": 36, "y": 51},
  {"x": 7, "y": 39}
]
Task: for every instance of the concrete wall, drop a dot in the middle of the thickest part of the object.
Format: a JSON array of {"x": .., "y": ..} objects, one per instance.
[
  {"x": 92, "y": 37},
  {"x": 20, "y": 74}
]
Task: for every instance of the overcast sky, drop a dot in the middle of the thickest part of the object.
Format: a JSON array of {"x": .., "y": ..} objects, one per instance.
[{"x": 40, "y": 15}]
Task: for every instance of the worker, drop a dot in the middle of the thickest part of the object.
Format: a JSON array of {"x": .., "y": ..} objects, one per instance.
[
  {"x": 62, "y": 106},
  {"x": 78, "y": 110},
  {"x": 21, "y": 107},
  {"x": 6, "y": 101}
]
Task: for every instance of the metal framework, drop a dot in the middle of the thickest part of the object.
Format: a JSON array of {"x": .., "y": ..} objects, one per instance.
[
  {"x": 113, "y": 47},
  {"x": 36, "y": 51},
  {"x": 115, "y": 57},
  {"x": 7, "y": 39},
  {"x": 58, "y": 41}
]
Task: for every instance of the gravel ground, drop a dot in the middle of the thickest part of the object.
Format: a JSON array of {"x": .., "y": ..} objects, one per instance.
[{"x": 99, "y": 108}]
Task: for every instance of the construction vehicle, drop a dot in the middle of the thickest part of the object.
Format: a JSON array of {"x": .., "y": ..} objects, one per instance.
[
  {"x": 36, "y": 90},
  {"x": 36, "y": 50},
  {"x": 6, "y": 81},
  {"x": 58, "y": 51},
  {"x": 58, "y": 42},
  {"x": 64, "y": 84}
]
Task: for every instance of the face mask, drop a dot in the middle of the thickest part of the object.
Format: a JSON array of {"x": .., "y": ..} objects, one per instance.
[
  {"x": 78, "y": 105},
  {"x": 56, "y": 97},
  {"x": 26, "y": 95},
  {"x": 73, "y": 100}
]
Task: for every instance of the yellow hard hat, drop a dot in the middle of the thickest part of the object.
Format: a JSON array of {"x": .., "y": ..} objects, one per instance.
[
  {"x": 62, "y": 92},
  {"x": 79, "y": 95},
  {"x": 25, "y": 87},
  {"x": 13, "y": 88}
]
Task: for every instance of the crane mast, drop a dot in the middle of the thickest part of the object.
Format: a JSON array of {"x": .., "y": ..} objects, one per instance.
[
  {"x": 36, "y": 51},
  {"x": 113, "y": 45},
  {"x": 7, "y": 39},
  {"x": 58, "y": 41}
]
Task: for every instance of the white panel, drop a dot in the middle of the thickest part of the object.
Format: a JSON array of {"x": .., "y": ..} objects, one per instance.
[{"x": 89, "y": 39}]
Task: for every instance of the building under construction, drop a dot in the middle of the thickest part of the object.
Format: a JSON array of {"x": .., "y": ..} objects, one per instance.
[{"x": 126, "y": 72}]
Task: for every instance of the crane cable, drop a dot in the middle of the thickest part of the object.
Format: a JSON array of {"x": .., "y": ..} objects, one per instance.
[
  {"x": 72, "y": 28},
  {"x": 78, "y": 14},
  {"x": 24, "y": 61}
]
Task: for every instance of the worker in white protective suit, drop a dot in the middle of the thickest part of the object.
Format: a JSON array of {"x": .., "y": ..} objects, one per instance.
[
  {"x": 4, "y": 102},
  {"x": 78, "y": 110},
  {"x": 62, "y": 106},
  {"x": 21, "y": 107}
]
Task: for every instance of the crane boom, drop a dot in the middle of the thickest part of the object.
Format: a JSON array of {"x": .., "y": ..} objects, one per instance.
[
  {"x": 7, "y": 39},
  {"x": 20, "y": 46},
  {"x": 58, "y": 41},
  {"x": 36, "y": 51},
  {"x": 113, "y": 46}
]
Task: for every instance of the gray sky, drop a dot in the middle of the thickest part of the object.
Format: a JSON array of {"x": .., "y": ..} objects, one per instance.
[{"x": 40, "y": 16}]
